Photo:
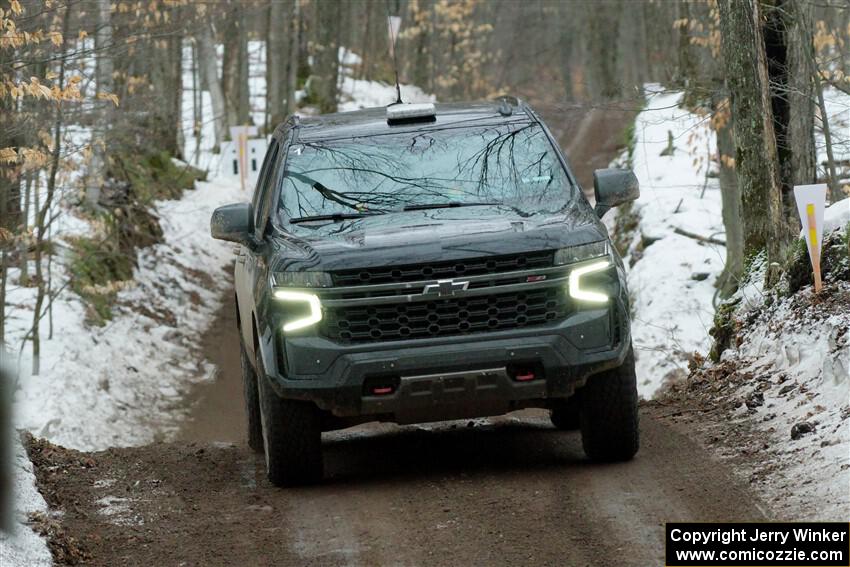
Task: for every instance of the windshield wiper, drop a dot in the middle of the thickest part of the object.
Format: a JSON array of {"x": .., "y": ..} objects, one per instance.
[
  {"x": 336, "y": 217},
  {"x": 446, "y": 205}
]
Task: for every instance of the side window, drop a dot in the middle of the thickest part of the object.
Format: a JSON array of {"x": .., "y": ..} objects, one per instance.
[
  {"x": 263, "y": 180},
  {"x": 269, "y": 193}
]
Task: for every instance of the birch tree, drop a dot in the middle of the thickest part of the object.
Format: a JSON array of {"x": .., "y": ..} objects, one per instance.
[{"x": 208, "y": 66}]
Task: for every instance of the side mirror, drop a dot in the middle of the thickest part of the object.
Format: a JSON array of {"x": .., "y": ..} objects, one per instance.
[
  {"x": 614, "y": 187},
  {"x": 234, "y": 223}
]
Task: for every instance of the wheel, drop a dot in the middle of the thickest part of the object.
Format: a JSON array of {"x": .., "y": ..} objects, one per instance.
[
  {"x": 565, "y": 415},
  {"x": 292, "y": 435},
  {"x": 252, "y": 403},
  {"x": 609, "y": 413}
]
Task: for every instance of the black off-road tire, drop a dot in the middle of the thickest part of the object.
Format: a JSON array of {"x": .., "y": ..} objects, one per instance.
[
  {"x": 251, "y": 394},
  {"x": 565, "y": 414},
  {"x": 292, "y": 435},
  {"x": 609, "y": 414}
]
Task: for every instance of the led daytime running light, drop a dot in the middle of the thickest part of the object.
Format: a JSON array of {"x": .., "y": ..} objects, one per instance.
[
  {"x": 575, "y": 283},
  {"x": 299, "y": 296}
]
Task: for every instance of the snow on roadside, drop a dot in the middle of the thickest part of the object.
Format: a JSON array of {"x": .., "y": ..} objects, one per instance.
[
  {"x": 806, "y": 403},
  {"x": 106, "y": 386},
  {"x": 121, "y": 384},
  {"x": 671, "y": 275},
  {"x": 808, "y": 387},
  {"x": 786, "y": 386},
  {"x": 790, "y": 370},
  {"x": 23, "y": 546}
]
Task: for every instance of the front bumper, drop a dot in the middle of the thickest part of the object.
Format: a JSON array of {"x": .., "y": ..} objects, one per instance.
[{"x": 451, "y": 377}]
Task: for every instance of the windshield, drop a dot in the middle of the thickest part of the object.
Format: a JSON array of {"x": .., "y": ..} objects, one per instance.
[{"x": 507, "y": 164}]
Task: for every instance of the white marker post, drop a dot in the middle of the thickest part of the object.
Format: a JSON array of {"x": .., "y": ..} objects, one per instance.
[
  {"x": 811, "y": 202},
  {"x": 240, "y": 135}
]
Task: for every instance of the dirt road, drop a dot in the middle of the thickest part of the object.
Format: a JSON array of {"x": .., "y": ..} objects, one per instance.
[
  {"x": 511, "y": 492},
  {"x": 506, "y": 491}
]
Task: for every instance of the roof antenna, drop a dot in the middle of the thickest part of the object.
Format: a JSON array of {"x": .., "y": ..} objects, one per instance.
[{"x": 393, "y": 25}]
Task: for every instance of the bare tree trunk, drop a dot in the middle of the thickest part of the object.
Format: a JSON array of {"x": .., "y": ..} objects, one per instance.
[
  {"x": 167, "y": 79},
  {"x": 327, "y": 58},
  {"x": 276, "y": 61},
  {"x": 730, "y": 193},
  {"x": 24, "y": 248},
  {"x": 103, "y": 76},
  {"x": 3, "y": 276},
  {"x": 43, "y": 219},
  {"x": 197, "y": 102},
  {"x": 801, "y": 95},
  {"x": 366, "y": 56},
  {"x": 294, "y": 48},
  {"x": 209, "y": 72},
  {"x": 602, "y": 57},
  {"x": 234, "y": 76},
  {"x": 835, "y": 193},
  {"x": 790, "y": 59},
  {"x": 755, "y": 156}
]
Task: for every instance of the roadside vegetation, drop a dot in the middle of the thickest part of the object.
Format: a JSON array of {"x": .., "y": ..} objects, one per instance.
[{"x": 102, "y": 262}]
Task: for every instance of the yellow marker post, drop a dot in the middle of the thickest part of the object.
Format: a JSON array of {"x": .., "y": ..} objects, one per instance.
[
  {"x": 811, "y": 202},
  {"x": 814, "y": 244}
]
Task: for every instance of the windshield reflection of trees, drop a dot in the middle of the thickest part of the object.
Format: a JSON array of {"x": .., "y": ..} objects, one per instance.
[{"x": 515, "y": 166}]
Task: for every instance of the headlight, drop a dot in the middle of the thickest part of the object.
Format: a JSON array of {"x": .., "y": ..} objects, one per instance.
[
  {"x": 576, "y": 291},
  {"x": 581, "y": 252},
  {"x": 303, "y": 279},
  {"x": 308, "y": 300}
]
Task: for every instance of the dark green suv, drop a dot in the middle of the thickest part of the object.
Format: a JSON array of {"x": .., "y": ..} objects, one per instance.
[{"x": 427, "y": 262}]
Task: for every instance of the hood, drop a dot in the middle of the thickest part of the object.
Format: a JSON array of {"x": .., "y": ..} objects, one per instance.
[{"x": 432, "y": 235}]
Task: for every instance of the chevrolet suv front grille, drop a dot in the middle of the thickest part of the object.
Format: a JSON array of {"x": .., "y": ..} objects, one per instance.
[
  {"x": 445, "y": 299},
  {"x": 446, "y": 317}
]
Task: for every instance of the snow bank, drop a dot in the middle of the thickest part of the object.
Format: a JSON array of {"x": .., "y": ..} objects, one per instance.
[
  {"x": 800, "y": 346},
  {"x": 106, "y": 386},
  {"x": 24, "y": 546},
  {"x": 837, "y": 216},
  {"x": 671, "y": 275},
  {"x": 808, "y": 361}
]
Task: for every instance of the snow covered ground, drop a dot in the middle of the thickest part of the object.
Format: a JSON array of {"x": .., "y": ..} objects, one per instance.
[
  {"x": 671, "y": 276},
  {"x": 24, "y": 547},
  {"x": 124, "y": 383},
  {"x": 793, "y": 360},
  {"x": 780, "y": 395},
  {"x": 807, "y": 390}
]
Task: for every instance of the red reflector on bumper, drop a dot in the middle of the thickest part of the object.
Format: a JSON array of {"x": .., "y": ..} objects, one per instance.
[
  {"x": 524, "y": 376},
  {"x": 382, "y": 391}
]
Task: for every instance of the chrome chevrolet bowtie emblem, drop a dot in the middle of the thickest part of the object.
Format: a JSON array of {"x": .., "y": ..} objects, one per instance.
[{"x": 445, "y": 287}]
